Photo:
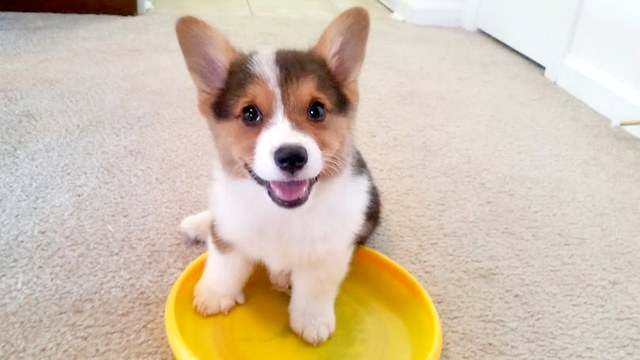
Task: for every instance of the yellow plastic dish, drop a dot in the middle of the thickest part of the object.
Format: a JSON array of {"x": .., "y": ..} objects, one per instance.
[{"x": 382, "y": 312}]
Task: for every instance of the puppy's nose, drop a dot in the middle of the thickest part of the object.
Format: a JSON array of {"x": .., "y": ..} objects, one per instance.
[{"x": 290, "y": 158}]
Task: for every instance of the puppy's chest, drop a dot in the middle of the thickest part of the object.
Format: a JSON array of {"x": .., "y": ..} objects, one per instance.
[{"x": 334, "y": 214}]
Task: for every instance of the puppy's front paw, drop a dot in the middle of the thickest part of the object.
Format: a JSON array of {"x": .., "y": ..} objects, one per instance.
[
  {"x": 208, "y": 301},
  {"x": 313, "y": 325}
]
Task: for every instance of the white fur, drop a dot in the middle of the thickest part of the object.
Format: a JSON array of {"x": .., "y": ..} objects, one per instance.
[
  {"x": 313, "y": 242},
  {"x": 281, "y": 281},
  {"x": 308, "y": 247},
  {"x": 280, "y": 130},
  {"x": 220, "y": 287},
  {"x": 284, "y": 238},
  {"x": 196, "y": 227},
  {"x": 280, "y": 133},
  {"x": 263, "y": 64}
]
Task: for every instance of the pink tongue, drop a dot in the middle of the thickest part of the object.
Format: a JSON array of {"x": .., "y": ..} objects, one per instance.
[{"x": 289, "y": 190}]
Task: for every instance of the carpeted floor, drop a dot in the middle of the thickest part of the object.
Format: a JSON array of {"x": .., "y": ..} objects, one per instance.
[{"x": 514, "y": 204}]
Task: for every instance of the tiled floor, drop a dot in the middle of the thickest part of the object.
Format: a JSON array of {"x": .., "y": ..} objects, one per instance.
[{"x": 323, "y": 9}]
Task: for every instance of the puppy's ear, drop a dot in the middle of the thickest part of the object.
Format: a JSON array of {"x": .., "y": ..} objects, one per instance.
[
  {"x": 343, "y": 44},
  {"x": 207, "y": 53}
]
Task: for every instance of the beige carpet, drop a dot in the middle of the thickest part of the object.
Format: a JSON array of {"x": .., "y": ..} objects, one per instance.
[{"x": 514, "y": 204}]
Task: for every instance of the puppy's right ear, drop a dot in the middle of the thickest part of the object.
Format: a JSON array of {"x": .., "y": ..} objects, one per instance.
[{"x": 207, "y": 53}]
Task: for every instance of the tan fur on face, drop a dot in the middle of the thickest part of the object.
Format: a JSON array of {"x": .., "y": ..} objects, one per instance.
[
  {"x": 207, "y": 52},
  {"x": 234, "y": 140},
  {"x": 343, "y": 44},
  {"x": 333, "y": 135}
]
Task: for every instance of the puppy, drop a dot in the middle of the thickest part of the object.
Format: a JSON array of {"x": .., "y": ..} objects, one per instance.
[{"x": 289, "y": 189}]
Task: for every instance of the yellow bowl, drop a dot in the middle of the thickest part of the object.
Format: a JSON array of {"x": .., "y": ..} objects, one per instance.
[{"x": 382, "y": 312}]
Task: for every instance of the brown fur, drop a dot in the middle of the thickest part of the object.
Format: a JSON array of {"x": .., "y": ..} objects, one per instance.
[
  {"x": 332, "y": 135},
  {"x": 296, "y": 66},
  {"x": 207, "y": 52},
  {"x": 372, "y": 216},
  {"x": 234, "y": 140},
  {"x": 345, "y": 59}
]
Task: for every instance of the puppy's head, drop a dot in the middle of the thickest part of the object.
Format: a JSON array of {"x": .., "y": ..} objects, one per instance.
[{"x": 283, "y": 118}]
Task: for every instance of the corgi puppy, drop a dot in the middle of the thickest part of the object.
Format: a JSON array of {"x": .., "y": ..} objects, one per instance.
[{"x": 289, "y": 188}]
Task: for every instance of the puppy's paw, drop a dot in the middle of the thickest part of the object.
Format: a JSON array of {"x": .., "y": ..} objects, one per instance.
[
  {"x": 313, "y": 325},
  {"x": 281, "y": 281},
  {"x": 208, "y": 301},
  {"x": 196, "y": 228}
]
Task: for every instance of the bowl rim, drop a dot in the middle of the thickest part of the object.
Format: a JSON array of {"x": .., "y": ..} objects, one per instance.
[{"x": 181, "y": 350}]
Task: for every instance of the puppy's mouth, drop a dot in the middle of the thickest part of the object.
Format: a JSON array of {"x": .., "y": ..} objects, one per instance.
[{"x": 285, "y": 193}]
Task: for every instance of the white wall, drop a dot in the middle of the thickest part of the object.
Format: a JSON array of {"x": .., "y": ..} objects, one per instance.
[
  {"x": 608, "y": 36},
  {"x": 539, "y": 29},
  {"x": 602, "y": 65},
  {"x": 594, "y": 54}
]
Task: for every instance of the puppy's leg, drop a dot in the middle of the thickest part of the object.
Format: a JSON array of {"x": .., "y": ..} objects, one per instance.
[
  {"x": 314, "y": 290},
  {"x": 223, "y": 278},
  {"x": 196, "y": 227}
]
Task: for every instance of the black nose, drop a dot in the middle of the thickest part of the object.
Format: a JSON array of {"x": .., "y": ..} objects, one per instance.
[{"x": 290, "y": 158}]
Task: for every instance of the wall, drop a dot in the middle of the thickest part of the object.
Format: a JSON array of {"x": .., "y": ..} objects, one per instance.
[
  {"x": 602, "y": 64},
  {"x": 598, "y": 59},
  {"x": 538, "y": 29}
]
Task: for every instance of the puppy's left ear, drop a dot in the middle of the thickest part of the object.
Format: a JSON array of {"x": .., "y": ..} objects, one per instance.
[
  {"x": 207, "y": 53},
  {"x": 343, "y": 44}
]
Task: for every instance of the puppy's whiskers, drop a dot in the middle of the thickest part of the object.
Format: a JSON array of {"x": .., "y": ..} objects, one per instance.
[
  {"x": 333, "y": 165},
  {"x": 239, "y": 167}
]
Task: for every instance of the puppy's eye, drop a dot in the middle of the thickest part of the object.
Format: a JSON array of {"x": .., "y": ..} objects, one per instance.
[
  {"x": 251, "y": 115},
  {"x": 316, "y": 111}
]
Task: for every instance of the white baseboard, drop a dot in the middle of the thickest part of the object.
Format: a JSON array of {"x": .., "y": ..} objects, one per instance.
[
  {"x": 602, "y": 92},
  {"x": 448, "y": 13},
  {"x": 469, "y": 19},
  {"x": 144, "y": 6}
]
